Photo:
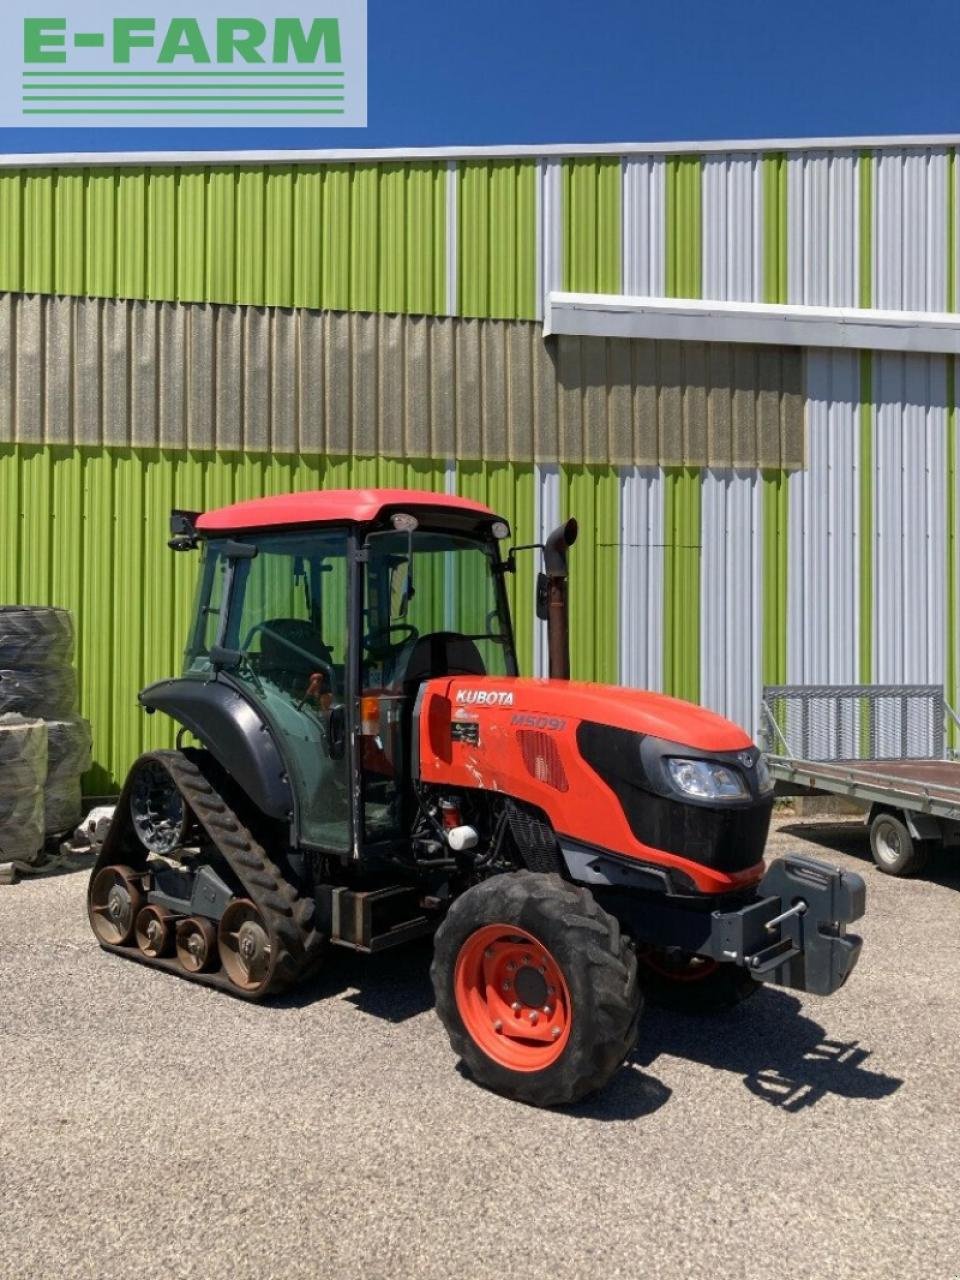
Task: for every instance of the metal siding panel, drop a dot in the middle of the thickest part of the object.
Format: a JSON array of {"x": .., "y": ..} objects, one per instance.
[
  {"x": 644, "y": 222},
  {"x": 641, "y": 577},
  {"x": 336, "y": 238},
  {"x": 251, "y": 214},
  {"x": 69, "y": 257},
  {"x": 221, "y": 242},
  {"x": 681, "y": 583},
  {"x": 278, "y": 237},
  {"x": 823, "y": 586},
  {"x": 910, "y": 250},
  {"x": 191, "y": 214},
  {"x": 684, "y": 240},
  {"x": 11, "y": 230},
  {"x": 497, "y": 238},
  {"x": 822, "y": 248},
  {"x": 592, "y": 494},
  {"x": 162, "y": 234},
  {"x": 452, "y": 247},
  {"x": 550, "y": 239},
  {"x": 307, "y": 214},
  {"x": 732, "y": 228},
  {"x": 39, "y": 234},
  {"x": 731, "y": 611},
  {"x": 591, "y": 221},
  {"x": 131, "y": 255},
  {"x": 910, "y": 553}
]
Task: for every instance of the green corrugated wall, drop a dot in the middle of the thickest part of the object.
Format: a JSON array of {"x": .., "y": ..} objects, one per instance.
[
  {"x": 497, "y": 240},
  {"x": 337, "y": 237}
]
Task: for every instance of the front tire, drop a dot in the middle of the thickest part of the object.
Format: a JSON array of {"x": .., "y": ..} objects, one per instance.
[{"x": 536, "y": 987}]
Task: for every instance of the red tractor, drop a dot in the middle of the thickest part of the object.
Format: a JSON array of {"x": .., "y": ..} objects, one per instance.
[{"x": 370, "y": 768}]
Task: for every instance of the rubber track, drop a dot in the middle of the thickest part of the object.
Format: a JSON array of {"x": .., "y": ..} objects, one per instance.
[{"x": 289, "y": 917}]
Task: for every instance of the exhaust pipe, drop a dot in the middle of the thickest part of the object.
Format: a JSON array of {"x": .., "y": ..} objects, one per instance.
[{"x": 552, "y": 598}]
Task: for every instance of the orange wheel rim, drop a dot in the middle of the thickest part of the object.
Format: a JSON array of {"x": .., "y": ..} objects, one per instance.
[{"x": 513, "y": 998}]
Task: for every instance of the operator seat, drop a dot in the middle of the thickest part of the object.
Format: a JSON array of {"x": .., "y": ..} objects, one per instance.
[
  {"x": 283, "y": 665},
  {"x": 441, "y": 653}
]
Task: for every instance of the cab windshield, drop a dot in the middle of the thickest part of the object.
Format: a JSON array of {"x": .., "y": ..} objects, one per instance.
[{"x": 433, "y": 605}]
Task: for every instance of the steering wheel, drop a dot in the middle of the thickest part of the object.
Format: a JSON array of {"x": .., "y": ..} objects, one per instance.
[
  {"x": 311, "y": 659},
  {"x": 379, "y": 645}
]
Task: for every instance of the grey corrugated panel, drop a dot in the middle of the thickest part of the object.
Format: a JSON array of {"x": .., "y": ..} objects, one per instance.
[
  {"x": 823, "y": 229},
  {"x": 823, "y": 575},
  {"x": 910, "y": 253},
  {"x": 641, "y": 577},
  {"x": 909, "y": 517},
  {"x": 549, "y": 262},
  {"x": 643, "y": 240},
  {"x": 275, "y": 380},
  {"x": 731, "y": 633},
  {"x": 732, "y": 228}
]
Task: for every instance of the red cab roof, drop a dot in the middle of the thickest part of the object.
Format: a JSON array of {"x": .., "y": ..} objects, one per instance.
[{"x": 322, "y": 506}]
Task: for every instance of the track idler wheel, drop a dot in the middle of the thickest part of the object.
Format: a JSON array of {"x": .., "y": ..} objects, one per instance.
[
  {"x": 245, "y": 946},
  {"x": 154, "y": 931},
  {"x": 116, "y": 899},
  {"x": 196, "y": 944}
]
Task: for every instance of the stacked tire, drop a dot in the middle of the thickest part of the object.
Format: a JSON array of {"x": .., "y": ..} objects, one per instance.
[
  {"x": 38, "y": 682},
  {"x": 23, "y": 772}
]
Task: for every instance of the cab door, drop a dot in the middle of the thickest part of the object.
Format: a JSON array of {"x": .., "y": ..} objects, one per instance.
[{"x": 287, "y": 621}]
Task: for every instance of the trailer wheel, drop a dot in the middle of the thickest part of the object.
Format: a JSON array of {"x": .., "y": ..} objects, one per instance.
[
  {"x": 692, "y": 984},
  {"x": 536, "y": 987},
  {"x": 894, "y": 849}
]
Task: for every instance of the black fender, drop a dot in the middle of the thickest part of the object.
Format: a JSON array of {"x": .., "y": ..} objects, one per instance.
[{"x": 234, "y": 733}]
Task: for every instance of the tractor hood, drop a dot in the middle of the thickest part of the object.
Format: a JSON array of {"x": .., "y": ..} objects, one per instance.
[{"x": 636, "y": 710}]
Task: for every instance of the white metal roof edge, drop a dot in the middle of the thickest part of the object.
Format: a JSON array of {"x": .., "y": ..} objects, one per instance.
[
  {"x": 87, "y": 159},
  {"x": 701, "y": 320}
]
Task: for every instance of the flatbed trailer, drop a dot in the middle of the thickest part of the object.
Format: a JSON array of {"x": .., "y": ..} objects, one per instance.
[{"x": 884, "y": 747}]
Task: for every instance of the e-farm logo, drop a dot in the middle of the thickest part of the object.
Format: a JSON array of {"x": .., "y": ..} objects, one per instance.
[{"x": 144, "y": 65}]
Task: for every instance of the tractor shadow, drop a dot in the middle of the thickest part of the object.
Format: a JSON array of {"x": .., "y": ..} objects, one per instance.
[
  {"x": 394, "y": 985},
  {"x": 782, "y": 1056}
]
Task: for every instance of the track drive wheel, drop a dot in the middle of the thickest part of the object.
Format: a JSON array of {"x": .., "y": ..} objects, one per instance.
[
  {"x": 154, "y": 931},
  {"x": 113, "y": 904},
  {"x": 245, "y": 950},
  {"x": 536, "y": 988},
  {"x": 196, "y": 944},
  {"x": 692, "y": 984}
]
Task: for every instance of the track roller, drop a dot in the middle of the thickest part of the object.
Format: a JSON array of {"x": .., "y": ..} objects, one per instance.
[
  {"x": 154, "y": 931},
  {"x": 245, "y": 945},
  {"x": 115, "y": 901},
  {"x": 196, "y": 944}
]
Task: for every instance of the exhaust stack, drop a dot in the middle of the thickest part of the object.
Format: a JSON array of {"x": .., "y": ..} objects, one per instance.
[{"x": 552, "y": 598}]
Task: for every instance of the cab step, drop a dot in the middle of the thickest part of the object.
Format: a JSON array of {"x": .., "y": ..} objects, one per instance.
[{"x": 374, "y": 919}]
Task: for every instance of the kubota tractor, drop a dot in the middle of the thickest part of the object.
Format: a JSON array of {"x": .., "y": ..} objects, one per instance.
[{"x": 370, "y": 768}]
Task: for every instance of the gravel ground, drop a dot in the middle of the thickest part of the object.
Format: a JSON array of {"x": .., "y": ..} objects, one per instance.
[{"x": 152, "y": 1126}]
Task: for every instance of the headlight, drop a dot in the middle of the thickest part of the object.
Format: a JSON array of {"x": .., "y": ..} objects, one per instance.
[
  {"x": 705, "y": 780},
  {"x": 764, "y": 777}
]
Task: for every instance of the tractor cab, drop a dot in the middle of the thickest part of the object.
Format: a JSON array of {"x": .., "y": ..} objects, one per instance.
[{"x": 324, "y": 613}]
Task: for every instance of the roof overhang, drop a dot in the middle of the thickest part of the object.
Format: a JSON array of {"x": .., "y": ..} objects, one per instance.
[
  {"x": 605, "y": 315},
  {"x": 524, "y": 151}
]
